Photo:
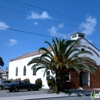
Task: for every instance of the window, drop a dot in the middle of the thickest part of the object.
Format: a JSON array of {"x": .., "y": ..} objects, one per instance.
[
  {"x": 73, "y": 36},
  {"x": 24, "y": 70},
  {"x": 48, "y": 75},
  {"x": 67, "y": 77},
  {"x": 84, "y": 78},
  {"x": 34, "y": 71},
  {"x": 82, "y": 49},
  {"x": 16, "y": 71}
]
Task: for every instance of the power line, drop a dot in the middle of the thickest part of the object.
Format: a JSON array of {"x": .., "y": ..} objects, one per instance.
[
  {"x": 26, "y": 13},
  {"x": 12, "y": 29},
  {"x": 46, "y": 19},
  {"x": 25, "y": 31},
  {"x": 55, "y": 12},
  {"x": 16, "y": 4},
  {"x": 12, "y": 10},
  {"x": 51, "y": 11}
]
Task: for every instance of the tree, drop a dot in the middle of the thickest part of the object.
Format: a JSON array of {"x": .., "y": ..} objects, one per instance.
[
  {"x": 63, "y": 58},
  {"x": 1, "y": 62}
]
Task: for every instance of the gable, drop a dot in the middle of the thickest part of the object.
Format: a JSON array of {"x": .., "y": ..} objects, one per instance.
[
  {"x": 86, "y": 45},
  {"x": 89, "y": 46}
]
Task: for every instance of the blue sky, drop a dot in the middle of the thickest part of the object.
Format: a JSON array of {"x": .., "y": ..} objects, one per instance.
[{"x": 26, "y": 24}]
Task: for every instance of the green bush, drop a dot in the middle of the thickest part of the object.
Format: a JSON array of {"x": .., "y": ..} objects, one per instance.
[
  {"x": 27, "y": 79},
  {"x": 17, "y": 79},
  {"x": 39, "y": 82},
  {"x": 10, "y": 80}
]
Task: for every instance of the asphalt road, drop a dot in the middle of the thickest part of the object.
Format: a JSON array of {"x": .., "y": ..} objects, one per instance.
[
  {"x": 68, "y": 98},
  {"x": 6, "y": 93}
]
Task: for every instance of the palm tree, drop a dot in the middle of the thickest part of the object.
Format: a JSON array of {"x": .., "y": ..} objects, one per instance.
[
  {"x": 63, "y": 58},
  {"x": 1, "y": 62}
]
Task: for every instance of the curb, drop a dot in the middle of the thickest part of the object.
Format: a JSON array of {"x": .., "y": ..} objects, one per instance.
[{"x": 57, "y": 96}]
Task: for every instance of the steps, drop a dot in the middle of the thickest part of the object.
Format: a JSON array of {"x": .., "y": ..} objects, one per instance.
[{"x": 87, "y": 87}]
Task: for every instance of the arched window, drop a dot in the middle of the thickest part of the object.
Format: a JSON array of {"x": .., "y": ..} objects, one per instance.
[
  {"x": 24, "y": 70},
  {"x": 16, "y": 71},
  {"x": 34, "y": 71},
  {"x": 82, "y": 49}
]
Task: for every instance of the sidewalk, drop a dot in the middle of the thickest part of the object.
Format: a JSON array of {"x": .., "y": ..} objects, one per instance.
[{"x": 42, "y": 96}]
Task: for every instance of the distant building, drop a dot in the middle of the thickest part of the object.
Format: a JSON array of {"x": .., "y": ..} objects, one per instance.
[
  {"x": 3, "y": 74},
  {"x": 18, "y": 67}
]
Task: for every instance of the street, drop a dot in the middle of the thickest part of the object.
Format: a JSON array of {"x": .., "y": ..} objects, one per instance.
[
  {"x": 68, "y": 98},
  {"x": 42, "y": 93},
  {"x": 6, "y": 93}
]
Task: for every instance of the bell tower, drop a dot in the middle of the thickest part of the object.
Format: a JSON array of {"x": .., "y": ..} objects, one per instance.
[{"x": 77, "y": 35}]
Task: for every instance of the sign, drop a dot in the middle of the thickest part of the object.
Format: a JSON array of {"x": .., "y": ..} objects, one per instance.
[
  {"x": 85, "y": 46},
  {"x": 95, "y": 95}
]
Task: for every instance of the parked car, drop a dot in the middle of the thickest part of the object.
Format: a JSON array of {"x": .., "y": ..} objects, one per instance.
[
  {"x": 3, "y": 83},
  {"x": 20, "y": 85}
]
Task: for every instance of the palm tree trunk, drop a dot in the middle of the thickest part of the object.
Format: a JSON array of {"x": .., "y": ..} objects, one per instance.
[{"x": 60, "y": 81}]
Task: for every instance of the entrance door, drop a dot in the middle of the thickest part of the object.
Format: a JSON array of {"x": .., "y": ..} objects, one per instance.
[{"x": 84, "y": 78}]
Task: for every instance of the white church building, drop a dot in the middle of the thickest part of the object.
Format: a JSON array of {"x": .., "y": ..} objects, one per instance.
[{"x": 18, "y": 66}]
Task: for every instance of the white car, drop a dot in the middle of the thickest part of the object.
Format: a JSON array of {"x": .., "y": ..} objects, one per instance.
[{"x": 3, "y": 83}]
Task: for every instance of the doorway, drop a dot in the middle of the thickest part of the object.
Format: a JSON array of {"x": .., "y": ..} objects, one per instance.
[{"x": 84, "y": 79}]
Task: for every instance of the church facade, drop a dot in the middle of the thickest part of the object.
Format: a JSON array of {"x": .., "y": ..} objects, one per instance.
[{"x": 18, "y": 67}]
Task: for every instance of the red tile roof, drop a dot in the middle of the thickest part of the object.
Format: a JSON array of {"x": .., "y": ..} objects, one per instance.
[{"x": 29, "y": 55}]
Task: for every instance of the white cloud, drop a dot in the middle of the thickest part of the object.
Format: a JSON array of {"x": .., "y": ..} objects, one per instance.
[
  {"x": 35, "y": 23},
  {"x": 3, "y": 26},
  {"x": 11, "y": 42},
  {"x": 88, "y": 26},
  {"x": 61, "y": 25},
  {"x": 36, "y": 15},
  {"x": 54, "y": 31}
]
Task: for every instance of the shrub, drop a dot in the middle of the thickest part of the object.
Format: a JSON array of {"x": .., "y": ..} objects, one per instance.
[
  {"x": 27, "y": 79},
  {"x": 39, "y": 82},
  {"x": 10, "y": 80},
  {"x": 52, "y": 84},
  {"x": 17, "y": 79}
]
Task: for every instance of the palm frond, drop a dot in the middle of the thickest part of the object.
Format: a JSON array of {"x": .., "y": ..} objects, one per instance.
[
  {"x": 50, "y": 46},
  {"x": 45, "y": 50},
  {"x": 34, "y": 60},
  {"x": 71, "y": 46},
  {"x": 46, "y": 55}
]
